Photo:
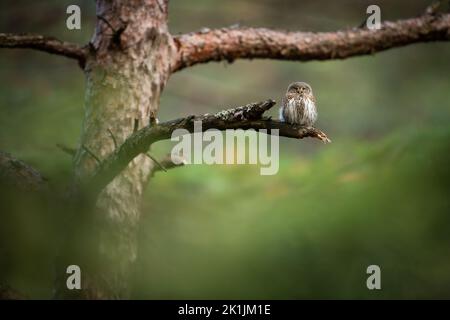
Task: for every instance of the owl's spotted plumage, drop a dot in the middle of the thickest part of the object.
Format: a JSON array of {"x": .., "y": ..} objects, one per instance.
[{"x": 299, "y": 105}]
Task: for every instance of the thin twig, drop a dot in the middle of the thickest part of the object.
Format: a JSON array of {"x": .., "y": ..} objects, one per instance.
[
  {"x": 156, "y": 161},
  {"x": 169, "y": 163},
  {"x": 70, "y": 151},
  {"x": 91, "y": 154},
  {"x": 106, "y": 22},
  {"x": 136, "y": 125},
  {"x": 113, "y": 138}
]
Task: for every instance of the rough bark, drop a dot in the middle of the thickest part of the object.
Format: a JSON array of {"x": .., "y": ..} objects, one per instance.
[
  {"x": 168, "y": 163},
  {"x": 249, "y": 43},
  {"x": 126, "y": 69}
]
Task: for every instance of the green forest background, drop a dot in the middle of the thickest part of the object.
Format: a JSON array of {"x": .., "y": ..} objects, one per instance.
[{"x": 379, "y": 194}]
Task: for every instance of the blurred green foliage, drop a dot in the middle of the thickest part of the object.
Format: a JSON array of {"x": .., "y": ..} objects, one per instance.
[
  {"x": 377, "y": 195},
  {"x": 308, "y": 232}
]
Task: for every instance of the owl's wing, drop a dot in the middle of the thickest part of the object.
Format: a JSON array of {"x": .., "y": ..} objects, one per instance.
[
  {"x": 313, "y": 99},
  {"x": 280, "y": 114}
]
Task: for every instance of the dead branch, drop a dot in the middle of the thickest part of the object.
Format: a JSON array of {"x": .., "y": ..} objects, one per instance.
[
  {"x": 43, "y": 43},
  {"x": 249, "y": 43},
  {"x": 159, "y": 166},
  {"x": 68, "y": 150},
  {"x": 167, "y": 163},
  {"x": 245, "y": 117},
  {"x": 18, "y": 174}
]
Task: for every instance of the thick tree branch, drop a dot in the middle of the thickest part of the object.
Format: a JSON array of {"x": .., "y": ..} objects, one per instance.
[
  {"x": 18, "y": 174},
  {"x": 249, "y": 43},
  {"x": 246, "y": 117},
  {"x": 42, "y": 43}
]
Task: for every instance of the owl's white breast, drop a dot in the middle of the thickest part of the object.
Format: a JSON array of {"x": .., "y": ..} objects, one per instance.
[{"x": 301, "y": 112}]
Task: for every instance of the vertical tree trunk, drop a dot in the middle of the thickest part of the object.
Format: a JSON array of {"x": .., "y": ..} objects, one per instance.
[{"x": 126, "y": 71}]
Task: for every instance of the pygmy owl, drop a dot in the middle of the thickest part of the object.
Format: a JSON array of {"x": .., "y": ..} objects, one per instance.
[{"x": 299, "y": 105}]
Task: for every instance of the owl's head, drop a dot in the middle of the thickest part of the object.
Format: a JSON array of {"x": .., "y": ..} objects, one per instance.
[{"x": 299, "y": 88}]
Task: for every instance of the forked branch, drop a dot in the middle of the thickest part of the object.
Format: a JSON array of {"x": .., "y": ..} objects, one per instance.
[{"x": 245, "y": 117}]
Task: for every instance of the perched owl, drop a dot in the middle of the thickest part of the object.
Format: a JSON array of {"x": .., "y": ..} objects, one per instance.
[{"x": 299, "y": 105}]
